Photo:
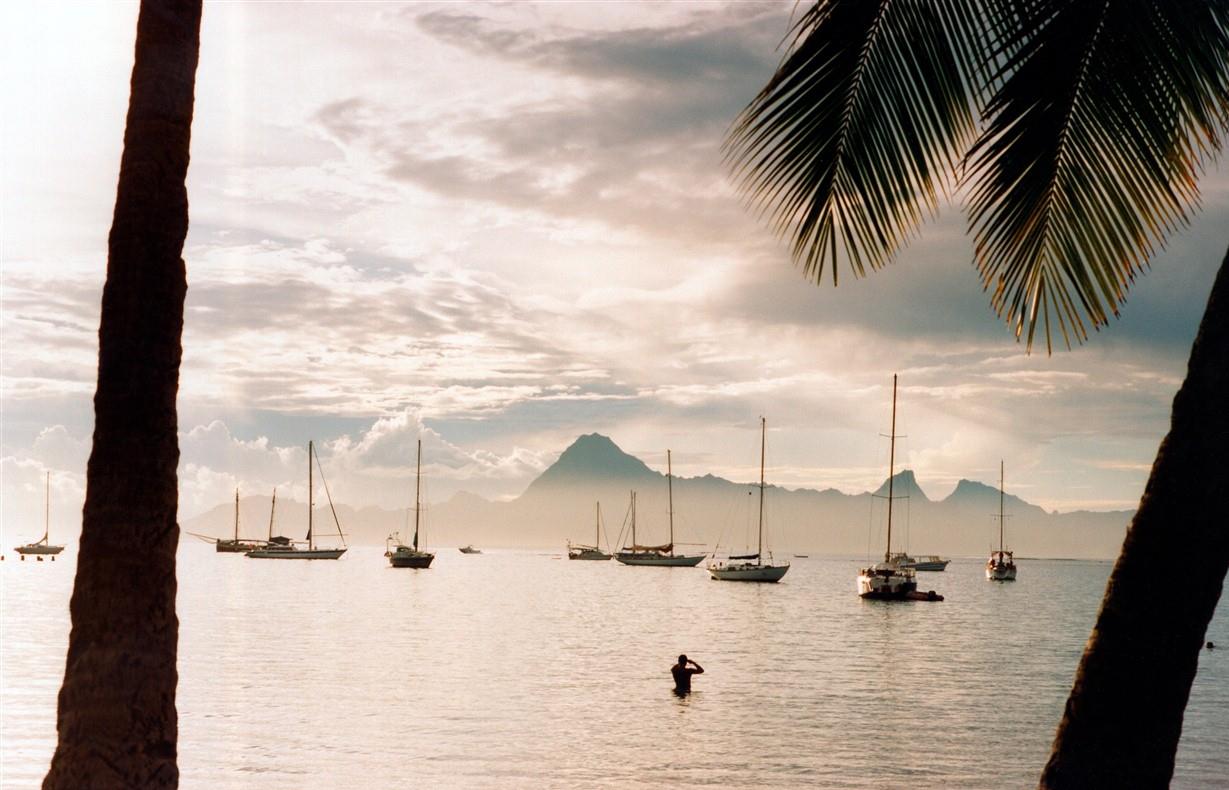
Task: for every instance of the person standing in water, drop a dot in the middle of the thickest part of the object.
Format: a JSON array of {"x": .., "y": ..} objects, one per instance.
[{"x": 682, "y": 674}]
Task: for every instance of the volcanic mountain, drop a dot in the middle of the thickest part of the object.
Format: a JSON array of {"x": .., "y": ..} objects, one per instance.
[{"x": 713, "y": 511}]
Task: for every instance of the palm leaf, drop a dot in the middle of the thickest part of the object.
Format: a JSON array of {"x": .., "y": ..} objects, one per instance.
[
  {"x": 848, "y": 146},
  {"x": 1103, "y": 113}
]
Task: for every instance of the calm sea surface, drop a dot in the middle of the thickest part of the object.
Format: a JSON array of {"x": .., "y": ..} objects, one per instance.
[{"x": 517, "y": 669}]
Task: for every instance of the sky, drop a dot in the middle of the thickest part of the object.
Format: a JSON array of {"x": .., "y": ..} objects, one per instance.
[{"x": 498, "y": 226}]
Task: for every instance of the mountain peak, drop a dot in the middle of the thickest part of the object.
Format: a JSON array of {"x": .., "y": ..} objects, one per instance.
[
  {"x": 968, "y": 487},
  {"x": 972, "y": 492},
  {"x": 903, "y": 484},
  {"x": 593, "y": 457},
  {"x": 592, "y": 443}
]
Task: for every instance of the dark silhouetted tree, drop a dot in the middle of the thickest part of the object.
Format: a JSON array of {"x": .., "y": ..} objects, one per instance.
[
  {"x": 1076, "y": 129},
  {"x": 117, "y": 722}
]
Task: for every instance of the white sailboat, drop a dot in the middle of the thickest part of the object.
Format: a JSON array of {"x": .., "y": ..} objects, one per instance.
[
  {"x": 43, "y": 546},
  {"x": 290, "y": 551},
  {"x": 889, "y": 580},
  {"x": 577, "y": 551},
  {"x": 751, "y": 567},
  {"x": 662, "y": 555},
  {"x": 403, "y": 556},
  {"x": 1001, "y": 567}
]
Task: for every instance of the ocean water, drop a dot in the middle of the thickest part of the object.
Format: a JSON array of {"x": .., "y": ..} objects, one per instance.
[{"x": 522, "y": 669}]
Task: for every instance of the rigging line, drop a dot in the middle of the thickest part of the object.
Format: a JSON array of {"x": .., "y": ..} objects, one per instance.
[
  {"x": 601, "y": 523},
  {"x": 870, "y": 524},
  {"x": 747, "y": 523},
  {"x": 725, "y": 522},
  {"x": 329, "y": 496},
  {"x": 424, "y": 507},
  {"x": 623, "y": 527}
]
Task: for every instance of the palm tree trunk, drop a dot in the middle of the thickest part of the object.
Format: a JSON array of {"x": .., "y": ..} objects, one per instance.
[
  {"x": 1124, "y": 717},
  {"x": 117, "y": 721}
]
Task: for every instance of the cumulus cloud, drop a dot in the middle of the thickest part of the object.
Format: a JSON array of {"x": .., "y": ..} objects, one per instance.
[{"x": 55, "y": 448}]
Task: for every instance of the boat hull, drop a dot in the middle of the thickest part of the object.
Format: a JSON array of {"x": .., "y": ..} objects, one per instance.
[
  {"x": 660, "y": 560},
  {"x": 901, "y": 592},
  {"x": 295, "y": 554},
  {"x": 469, "y": 550},
  {"x": 912, "y": 595},
  {"x": 595, "y": 556},
  {"x": 931, "y": 566},
  {"x": 237, "y": 546},
  {"x": 419, "y": 560},
  {"x": 748, "y": 573},
  {"x": 887, "y": 582},
  {"x": 38, "y": 548},
  {"x": 1001, "y": 573}
]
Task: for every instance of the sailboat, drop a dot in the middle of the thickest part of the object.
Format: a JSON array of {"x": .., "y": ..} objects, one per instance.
[
  {"x": 276, "y": 550},
  {"x": 594, "y": 552},
  {"x": 402, "y": 556},
  {"x": 751, "y": 567},
  {"x": 658, "y": 555},
  {"x": 890, "y": 580},
  {"x": 42, "y": 545},
  {"x": 235, "y": 545},
  {"x": 1001, "y": 567}
]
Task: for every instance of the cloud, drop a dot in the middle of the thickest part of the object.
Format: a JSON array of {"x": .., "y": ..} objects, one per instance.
[
  {"x": 704, "y": 47},
  {"x": 622, "y": 127},
  {"x": 371, "y": 466},
  {"x": 389, "y": 448},
  {"x": 56, "y": 449},
  {"x": 499, "y": 226}
]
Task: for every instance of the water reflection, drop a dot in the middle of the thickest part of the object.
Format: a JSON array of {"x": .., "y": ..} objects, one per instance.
[{"x": 519, "y": 671}]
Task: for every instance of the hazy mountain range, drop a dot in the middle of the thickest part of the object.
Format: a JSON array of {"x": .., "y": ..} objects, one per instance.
[{"x": 560, "y": 505}]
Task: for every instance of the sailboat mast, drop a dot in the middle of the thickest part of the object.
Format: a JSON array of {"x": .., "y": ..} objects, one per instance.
[
  {"x": 597, "y": 527},
  {"x": 887, "y": 555},
  {"x": 417, "y": 493},
  {"x": 47, "y": 508},
  {"x": 670, "y": 495},
  {"x": 633, "y": 521},
  {"x": 311, "y": 449},
  {"x": 1000, "y": 506},
  {"x": 236, "y": 515},
  {"x": 759, "y": 545},
  {"x": 272, "y": 508}
]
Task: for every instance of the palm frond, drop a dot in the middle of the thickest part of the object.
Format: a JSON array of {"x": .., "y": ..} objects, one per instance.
[
  {"x": 858, "y": 131},
  {"x": 1103, "y": 114}
]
